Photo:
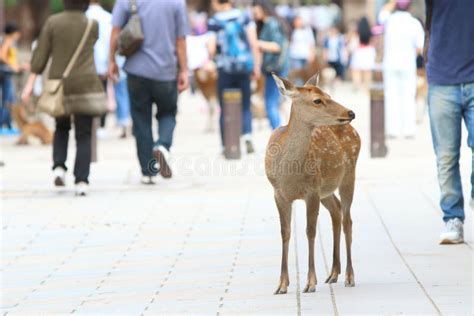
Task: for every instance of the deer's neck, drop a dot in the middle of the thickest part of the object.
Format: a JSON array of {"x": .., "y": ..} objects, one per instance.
[{"x": 298, "y": 139}]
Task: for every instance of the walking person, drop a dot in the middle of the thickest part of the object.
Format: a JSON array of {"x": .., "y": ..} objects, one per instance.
[
  {"x": 273, "y": 43},
  {"x": 334, "y": 53},
  {"x": 157, "y": 71},
  {"x": 302, "y": 48},
  {"x": 450, "y": 70},
  {"x": 8, "y": 67},
  {"x": 233, "y": 45},
  {"x": 122, "y": 98},
  {"x": 403, "y": 42},
  {"x": 362, "y": 61},
  {"x": 58, "y": 41},
  {"x": 101, "y": 49}
]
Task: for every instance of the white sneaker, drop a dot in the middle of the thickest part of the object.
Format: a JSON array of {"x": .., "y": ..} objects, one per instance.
[
  {"x": 81, "y": 189},
  {"x": 162, "y": 156},
  {"x": 101, "y": 133},
  {"x": 453, "y": 232},
  {"x": 147, "y": 180},
  {"x": 59, "y": 176}
]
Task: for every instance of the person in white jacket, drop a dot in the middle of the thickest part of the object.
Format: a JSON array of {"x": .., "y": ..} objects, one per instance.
[{"x": 404, "y": 37}]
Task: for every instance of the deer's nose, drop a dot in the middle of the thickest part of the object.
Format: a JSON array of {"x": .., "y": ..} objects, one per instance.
[{"x": 351, "y": 115}]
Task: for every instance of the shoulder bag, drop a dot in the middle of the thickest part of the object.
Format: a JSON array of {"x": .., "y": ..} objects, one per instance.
[{"x": 131, "y": 37}]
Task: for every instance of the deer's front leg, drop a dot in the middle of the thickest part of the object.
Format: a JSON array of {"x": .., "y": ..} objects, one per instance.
[
  {"x": 312, "y": 212},
  {"x": 284, "y": 209}
]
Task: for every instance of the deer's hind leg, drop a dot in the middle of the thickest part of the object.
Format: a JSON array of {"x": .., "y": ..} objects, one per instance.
[
  {"x": 334, "y": 207},
  {"x": 346, "y": 191},
  {"x": 284, "y": 209}
]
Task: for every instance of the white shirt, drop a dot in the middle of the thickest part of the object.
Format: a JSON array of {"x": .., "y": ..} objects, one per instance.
[
  {"x": 403, "y": 36},
  {"x": 101, "y": 48},
  {"x": 302, "y": 40}
]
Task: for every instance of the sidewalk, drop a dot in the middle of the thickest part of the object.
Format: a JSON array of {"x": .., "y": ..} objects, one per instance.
[{"x": 208, "y": 241}]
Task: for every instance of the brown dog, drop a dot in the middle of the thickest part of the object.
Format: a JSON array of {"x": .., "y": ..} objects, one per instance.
[{"x": 28, "y": 129}]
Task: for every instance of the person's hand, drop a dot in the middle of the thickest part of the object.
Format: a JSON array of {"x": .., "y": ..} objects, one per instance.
[
  {"x": 113, "y": 70},
  {"x": 183, "y": 81},
  {"x": 26, "y": 93},
  {"x": 25, "y": 67}
]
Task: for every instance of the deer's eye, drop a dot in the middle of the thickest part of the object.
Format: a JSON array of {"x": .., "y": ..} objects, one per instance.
[{"x": 317, "y": 101}]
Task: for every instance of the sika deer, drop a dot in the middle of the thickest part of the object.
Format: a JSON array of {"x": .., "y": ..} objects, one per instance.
[{"x": 309, "y": 159}]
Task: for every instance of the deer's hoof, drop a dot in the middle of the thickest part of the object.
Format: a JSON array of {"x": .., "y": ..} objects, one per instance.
[
  {"x": 309, "y": 289},
  {"x": 332, "y": 278},
  {"x": 350, "y": 283},
  {"x": 281, "y": 290}
]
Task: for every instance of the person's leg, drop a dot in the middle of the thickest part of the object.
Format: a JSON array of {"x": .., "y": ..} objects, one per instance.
[
  {"x": 60, "y": 141},
  {"x": 246, "y": 112},
  {"x": 223, "y": 82},
  {"x": 445, "y": 111},
  {"x": 9, "y": 96},
  {"x": 103, "y": 116},
  {"x": 141, "y": 110},
  {"x": 272, "y": 101},
  {"x": 165, "y": 95},
  {"x": 468, "y": 112},
  {"x": 392, "y": 103},
  {"x": 407, "y": 103},
  {"x": 83, "y": 131},
  {"x": 123, "y": 102}
]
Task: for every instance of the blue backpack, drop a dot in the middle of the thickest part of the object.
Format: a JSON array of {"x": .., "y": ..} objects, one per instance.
[{"x": 235, "y": 50}]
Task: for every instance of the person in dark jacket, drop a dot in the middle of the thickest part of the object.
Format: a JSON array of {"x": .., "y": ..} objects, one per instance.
[{"x": 58, "y": 40}]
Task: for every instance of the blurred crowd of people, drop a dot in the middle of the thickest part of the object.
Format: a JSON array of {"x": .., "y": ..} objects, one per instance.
[{"x": 231, "y": 48}]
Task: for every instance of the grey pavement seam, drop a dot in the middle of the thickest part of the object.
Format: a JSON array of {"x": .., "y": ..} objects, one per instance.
[
  {"x": 176, "y": 259},
  {"x": 117, "y": 262},
  {"x": 48, "y": 277},
  {"x": 326, "y": 267},
  {"x": 236, "y": 256},
  {"x": 387, "y": 231},
  {"x": 32, "y": 240}
]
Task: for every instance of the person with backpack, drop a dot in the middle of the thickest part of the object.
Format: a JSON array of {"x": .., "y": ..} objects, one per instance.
[
  {"x": 233, "y": 45},
  {"x": 450, "y": 72},
  {"x": 274, "y": 44}
]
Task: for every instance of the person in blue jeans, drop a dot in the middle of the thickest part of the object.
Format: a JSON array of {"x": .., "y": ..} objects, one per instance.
[
  {"x": 450, "y": 70},
  {"x": 157, "y": 71},
  {"x": 122, "y": 98},
  {"x": 233, "y": 45},
  {"x": 274, "y": 45}
]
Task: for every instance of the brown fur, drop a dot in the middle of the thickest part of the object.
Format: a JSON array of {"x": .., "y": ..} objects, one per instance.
[
  {"x": 29, "y": 129},
  {"x": 310, "y": 159}
]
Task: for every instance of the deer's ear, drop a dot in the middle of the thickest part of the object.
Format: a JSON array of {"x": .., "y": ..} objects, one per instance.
[
  {"x": 285, "y": 87},
  {"x": 313, "y": 81}
]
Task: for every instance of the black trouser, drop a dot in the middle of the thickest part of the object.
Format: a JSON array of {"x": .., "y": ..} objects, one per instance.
[{"x": 82, "y": 128}]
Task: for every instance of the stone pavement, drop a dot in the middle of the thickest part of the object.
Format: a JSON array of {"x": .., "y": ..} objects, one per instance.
[{"x": 208, "y": 241}]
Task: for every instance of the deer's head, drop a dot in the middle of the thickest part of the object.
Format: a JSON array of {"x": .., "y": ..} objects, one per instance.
[{"x": 312, "y": 105}]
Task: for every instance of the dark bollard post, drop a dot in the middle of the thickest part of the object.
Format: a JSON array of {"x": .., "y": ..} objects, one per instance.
[
  {"x": 378, "y": 147},
  {"x": 232, "y": 123}
]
